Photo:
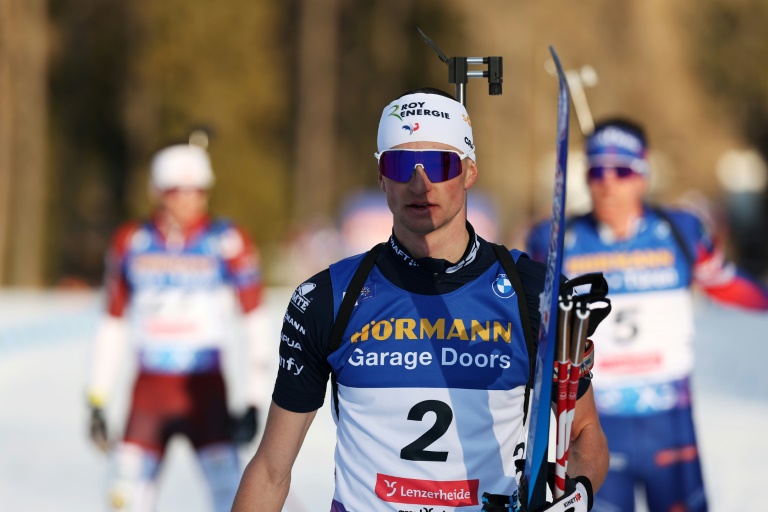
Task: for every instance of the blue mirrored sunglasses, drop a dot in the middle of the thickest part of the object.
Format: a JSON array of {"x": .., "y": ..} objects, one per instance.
[
  {"x": 598, "y": 172},
  {"x": 440, "y": 165}
]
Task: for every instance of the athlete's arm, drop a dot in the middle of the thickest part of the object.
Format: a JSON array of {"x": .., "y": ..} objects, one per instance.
[
  {"x": 302, "y": 379},
  {"x": 243, "y": 264},
  {"x": 267, "y": 477},
  {"x": 588, "y": 454},
  {"x": 111, "y": 339},
  {"x": 718, "y": 278},
  {"x": 723, "y": 282}
]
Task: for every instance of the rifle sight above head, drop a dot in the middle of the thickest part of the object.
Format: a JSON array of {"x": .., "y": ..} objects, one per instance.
[{"x": 459, "y": 72}]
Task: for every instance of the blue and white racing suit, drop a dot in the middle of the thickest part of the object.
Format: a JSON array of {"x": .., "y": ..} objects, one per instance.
[{"x": 645, "y": 349}]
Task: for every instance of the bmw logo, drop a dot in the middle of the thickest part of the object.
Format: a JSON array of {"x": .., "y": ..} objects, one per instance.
[{"x": 502, "y": 286}]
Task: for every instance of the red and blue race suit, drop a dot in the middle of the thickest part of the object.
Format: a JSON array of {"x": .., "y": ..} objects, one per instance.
[{"x": 176, "y": 296}]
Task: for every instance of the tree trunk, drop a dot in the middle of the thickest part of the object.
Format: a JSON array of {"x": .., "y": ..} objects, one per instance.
[
  {"x": 316, "y": 141},
  {"x": 23, "y": 141}
]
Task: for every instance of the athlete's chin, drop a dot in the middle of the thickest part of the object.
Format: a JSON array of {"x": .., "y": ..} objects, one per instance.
[
  {"x": 608, "y": 208},
  {"x": 421, "y": 226}
]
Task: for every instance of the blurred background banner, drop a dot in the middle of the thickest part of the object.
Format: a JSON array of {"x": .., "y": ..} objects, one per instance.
[{"x": 290, "y": 93}]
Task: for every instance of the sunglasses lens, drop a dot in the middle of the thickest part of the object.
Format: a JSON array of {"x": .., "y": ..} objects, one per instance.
[
  {"x": 397, "y": 165},
  {"x": 439, "y": 165},
  {"x": 598, "y": 172},
  {"x": 595, "y": 173}
]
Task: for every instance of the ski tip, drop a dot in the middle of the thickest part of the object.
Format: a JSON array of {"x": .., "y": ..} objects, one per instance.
[{"x": 555, "y": 57}]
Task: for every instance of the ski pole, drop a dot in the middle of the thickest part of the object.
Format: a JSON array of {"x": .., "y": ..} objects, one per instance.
[
  {"x": 576, "y": 358},
  {"x": 562, "y": 369}
]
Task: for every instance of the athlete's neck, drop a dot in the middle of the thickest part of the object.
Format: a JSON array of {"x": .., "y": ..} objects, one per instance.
[
  {"x": 171, "y": 227},
  {"x": 621, "y": 221},
  {"x": 447, "y": 243}
]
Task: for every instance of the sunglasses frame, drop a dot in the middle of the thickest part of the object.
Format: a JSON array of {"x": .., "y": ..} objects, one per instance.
[
  {"x": 621, "y": 171},
  {"x": 431, "y": 175}
]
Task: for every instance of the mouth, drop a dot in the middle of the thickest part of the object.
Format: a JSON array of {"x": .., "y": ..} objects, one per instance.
[{"x": 421, "y": 206}]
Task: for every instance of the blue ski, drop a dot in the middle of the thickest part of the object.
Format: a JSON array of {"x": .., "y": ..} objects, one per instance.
[{"x": 535, "y": 472}]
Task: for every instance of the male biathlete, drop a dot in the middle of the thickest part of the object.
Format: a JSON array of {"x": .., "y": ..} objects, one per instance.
[
  {"x": 428, "y": 342},
  {"x": 651, "y": 257}
]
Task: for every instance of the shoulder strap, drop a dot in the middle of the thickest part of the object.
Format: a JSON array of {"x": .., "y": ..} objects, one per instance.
[
  {"x": 676, "y": 234},
  {"x": 345, "y": 309},
  {"x": 508, "y": 264}
]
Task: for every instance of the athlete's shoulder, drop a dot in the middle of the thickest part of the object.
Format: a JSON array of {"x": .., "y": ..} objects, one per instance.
[
  {"x": 682, "y": 217},
  {"x": 234, "y": 241},
  {"x": 537, "y": 242},
  {"x": 582, "y": 222},
  {"x": 537, "y": 239},
  {"x": 314, "y": 296},
  {"x": 540, "y": 228},
  {"x": 225, "y": 227},
  {"x": 349, "y": 261},
  {"x": 690, "y": 225},
  {"x": 128, "y": 235},
  {"x": 531, "y": 272}
]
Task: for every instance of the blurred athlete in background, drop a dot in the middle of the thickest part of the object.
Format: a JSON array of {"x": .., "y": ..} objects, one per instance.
[
  {"x": 651, "y": 258},
  {"x": 169, "y": 282}
]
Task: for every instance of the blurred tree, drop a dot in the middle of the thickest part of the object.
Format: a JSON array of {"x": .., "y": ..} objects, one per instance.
[
  {"x": 88, "y": 136},
  {"x": 316, "y": 85},
  {"x": 383, "y": 56},
  {"x": 354, "y": 57},
  {"x": 129, "y": 77},
  {"x": 23, "y": 141},
  {"x": 731, "y": 50},
  {"x": 225, "y": 66},
  {"x": 731, "y": 43},
  {"x": 291, "y": 93}
]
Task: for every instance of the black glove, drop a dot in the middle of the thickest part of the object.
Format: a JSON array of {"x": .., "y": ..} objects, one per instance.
[
  {"x": 245, "y": 427},
  {"x": 98, "y": 429},
  {"x": 577, "y": 497}
]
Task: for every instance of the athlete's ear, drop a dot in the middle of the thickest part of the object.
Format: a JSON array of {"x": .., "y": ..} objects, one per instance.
[
  {"x": 382, "y": 185},
  {"x": 470, "y": 173}
]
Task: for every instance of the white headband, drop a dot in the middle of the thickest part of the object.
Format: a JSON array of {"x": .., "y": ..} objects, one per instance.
[{"x": 423, "y": 117}]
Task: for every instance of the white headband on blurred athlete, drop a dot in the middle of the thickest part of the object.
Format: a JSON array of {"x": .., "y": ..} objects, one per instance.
[
  {"x": 181, "y": 166},
  {"x": 423, "y": 117}
]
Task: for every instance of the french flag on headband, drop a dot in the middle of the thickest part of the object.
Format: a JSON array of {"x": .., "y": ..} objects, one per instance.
[{"x": 425, "y": 117}]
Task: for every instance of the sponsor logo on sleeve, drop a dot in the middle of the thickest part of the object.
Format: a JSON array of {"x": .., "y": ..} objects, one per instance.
[
  {"x": 291, "y": 365},
  {"x": 299, "y": 298},
  {"x": 288, "y": 319},
  {"x": 291, "y": 343}
]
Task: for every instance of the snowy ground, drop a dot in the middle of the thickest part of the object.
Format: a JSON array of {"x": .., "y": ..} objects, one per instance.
[{"x": 47, "y": 465}]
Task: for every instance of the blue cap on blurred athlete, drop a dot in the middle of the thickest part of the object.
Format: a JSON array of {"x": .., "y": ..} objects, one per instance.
[{"x": 618, "y": 143}]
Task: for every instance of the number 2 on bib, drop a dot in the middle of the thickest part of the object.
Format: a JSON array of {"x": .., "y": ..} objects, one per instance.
[{"x": 443, "y": 418}]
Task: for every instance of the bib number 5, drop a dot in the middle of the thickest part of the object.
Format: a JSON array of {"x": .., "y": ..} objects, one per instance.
[
  {"x": 627, "y": 325},
  {"x": 443, "y": 418}
]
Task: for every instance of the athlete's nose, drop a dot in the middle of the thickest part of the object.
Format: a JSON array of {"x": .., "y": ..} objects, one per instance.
[{"x": 419, "y": 180}]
